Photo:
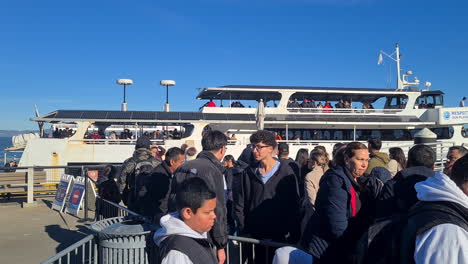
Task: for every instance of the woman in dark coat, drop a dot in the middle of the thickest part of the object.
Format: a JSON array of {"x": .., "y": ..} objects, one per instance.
[{"x": 338, "y": 205}]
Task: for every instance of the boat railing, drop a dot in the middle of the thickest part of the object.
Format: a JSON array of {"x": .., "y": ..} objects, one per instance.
[
  {"x": 343, "y": 111},
  {"x": 109, "y": 141}
]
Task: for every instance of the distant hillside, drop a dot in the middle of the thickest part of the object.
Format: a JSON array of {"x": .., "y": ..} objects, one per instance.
[{"x": 10, "y": 133}]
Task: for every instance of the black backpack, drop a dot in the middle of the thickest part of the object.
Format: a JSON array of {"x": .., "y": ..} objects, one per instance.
[
  {"x": 137, "y": 183},
  {"x": 392, "y": 240}
]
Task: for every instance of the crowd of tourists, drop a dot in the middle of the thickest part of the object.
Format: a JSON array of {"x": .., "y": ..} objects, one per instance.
[{"x": 354, "y": 205}]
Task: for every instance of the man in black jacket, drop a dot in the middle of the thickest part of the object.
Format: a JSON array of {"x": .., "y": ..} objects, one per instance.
[
  {"x": 266, "y": 198},
  {"x": 208, "y": 167},
  {"x": 398, "y": 194},
  {"x": 161, "y": 179}
]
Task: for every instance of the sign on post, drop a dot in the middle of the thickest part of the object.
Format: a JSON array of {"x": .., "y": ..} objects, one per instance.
[
  {"x": 76, "y": 196},
  {"x": 93, "y": 175},
  {"x": 62, "y": 191}
]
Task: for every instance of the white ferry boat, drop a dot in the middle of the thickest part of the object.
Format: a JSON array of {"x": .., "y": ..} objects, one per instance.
[{"x": 403, "y": 111}]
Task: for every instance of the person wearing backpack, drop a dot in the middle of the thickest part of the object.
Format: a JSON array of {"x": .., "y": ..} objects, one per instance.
[
  {"x": 434, "y": 230},
  {"x": 208, "y": 167},
  {"x": 135, "y": 173},
  {"x": 183, "y": 236},
  {"x": 398, "y": 194},
  {"x": 437, "y": 228}
]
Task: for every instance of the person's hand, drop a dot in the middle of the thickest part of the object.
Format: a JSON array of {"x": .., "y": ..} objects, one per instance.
[{"x": 221, "y": 256}]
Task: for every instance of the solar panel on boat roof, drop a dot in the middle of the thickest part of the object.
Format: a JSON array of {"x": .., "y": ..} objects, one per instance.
[
  {"x": 68, "y": 114},
  {"x": 168, "y": 116},
  {"x": 119, "y": 115},
  {"x": 143, "y": 115},
  {"x": 94, "y": 115}
]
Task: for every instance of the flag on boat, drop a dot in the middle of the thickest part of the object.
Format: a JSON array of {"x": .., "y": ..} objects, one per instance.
[{"x": 380, "y": 61}]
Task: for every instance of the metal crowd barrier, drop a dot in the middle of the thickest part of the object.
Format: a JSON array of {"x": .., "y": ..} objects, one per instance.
[
  {"x": 107, "y": 209},
  {"x": 83, "y": 251},
  {"x": 238, "y": 250}
]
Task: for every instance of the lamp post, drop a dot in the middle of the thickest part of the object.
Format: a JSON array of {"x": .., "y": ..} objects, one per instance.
[
  {"x": 124, "y": 82},
  {"x": 167, "y": 83}
]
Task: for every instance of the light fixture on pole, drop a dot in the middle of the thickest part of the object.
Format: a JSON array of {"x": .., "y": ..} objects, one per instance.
[
  {"x": 124, "y": 82},
  {"x": 167, "y": 83}
]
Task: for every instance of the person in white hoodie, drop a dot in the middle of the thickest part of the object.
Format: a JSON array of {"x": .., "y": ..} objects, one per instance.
[
  {"x": 444, "y": 239},
  {"x": 182, "y": 238}
]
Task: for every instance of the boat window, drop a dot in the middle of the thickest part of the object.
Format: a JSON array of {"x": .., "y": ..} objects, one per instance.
[
  {"x": 396, "y": 102},
  {"x": 438, "y": 100},
  {"x": 361, "y": 134},
  {"x": 430, "y": 101}
]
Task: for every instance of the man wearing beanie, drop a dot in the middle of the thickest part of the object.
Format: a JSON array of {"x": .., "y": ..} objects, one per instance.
[{"x": 134, "y": 169}]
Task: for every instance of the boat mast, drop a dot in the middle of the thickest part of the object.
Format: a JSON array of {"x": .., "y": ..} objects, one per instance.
[{"x": 399, "y": 81}]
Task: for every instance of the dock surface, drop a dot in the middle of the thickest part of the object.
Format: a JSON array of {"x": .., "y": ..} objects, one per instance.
[{"x": 33, "y": 234}]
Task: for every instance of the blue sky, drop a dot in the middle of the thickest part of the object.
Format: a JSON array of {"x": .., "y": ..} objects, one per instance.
[{"x": 68, "y": 54}]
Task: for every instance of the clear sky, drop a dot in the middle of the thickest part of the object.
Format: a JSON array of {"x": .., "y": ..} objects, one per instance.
[{"x": 68, "y": 54}]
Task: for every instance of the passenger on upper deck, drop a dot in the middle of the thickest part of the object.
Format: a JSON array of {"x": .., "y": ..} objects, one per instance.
[
  {"x": 211, "y": 103},
  {"x": 294, "y": 104},
  {"x": 306, "y": 103},
  {"x": 462, "y": 102},
  {"x": 126, "y": 134},
  {"x": 237, "y": 104},
  {"x": 347, "y": 104},
  {"x": 422, "y": 105},
  {"x": 340, "y": 104}
]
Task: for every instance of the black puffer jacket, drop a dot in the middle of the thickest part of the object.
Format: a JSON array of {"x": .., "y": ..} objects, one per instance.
[
  {"x": 207, "y": 167},
  {"x": 398, "y": 194},
  {"x": 267, "y": 210}
]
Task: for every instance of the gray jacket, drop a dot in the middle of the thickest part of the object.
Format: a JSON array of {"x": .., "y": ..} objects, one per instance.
[{"x": 207, "y": 167}]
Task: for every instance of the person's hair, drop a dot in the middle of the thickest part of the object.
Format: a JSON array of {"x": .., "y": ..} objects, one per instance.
[
  {"x": 283, "y": 149},
  {"x": 213, "y": 140},
  {"x": 192, "y": 193},
  {"x": 337, "y": 147},
  {"x": 460, "y": 171},
  {"x": 109, "y": 171},
  {"x": 347, "y": 153},
  {"x": 320, "y": 147},
  {"x": 460, "y": 149},
  {"x": 263, "y": 136},
  {"x": 316, "y": 155},
  {"x": 229, "y": 158},
  {"x": 374, "y": 143},
  {"x": 184, "y": 147},
  {"x": 173, "y": 154},
  {"x": 421, "y": 155},
  {"x": 192, "y": 151},
  {"x": 302, "y": 156},
  {"x": 397, "y": 154}
]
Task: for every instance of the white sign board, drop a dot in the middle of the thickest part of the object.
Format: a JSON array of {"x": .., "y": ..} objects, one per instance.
[
  {"x": 62, "y": 191},
  {"x": 455, "y": 115}
]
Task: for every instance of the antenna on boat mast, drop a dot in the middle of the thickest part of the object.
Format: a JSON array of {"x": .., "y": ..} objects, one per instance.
[{"x": 402, "y": 82}]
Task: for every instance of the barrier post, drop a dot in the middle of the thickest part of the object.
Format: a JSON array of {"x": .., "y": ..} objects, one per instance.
[
  {"x": 85, "y": 198},
  {"x": 30, "y": 199}
]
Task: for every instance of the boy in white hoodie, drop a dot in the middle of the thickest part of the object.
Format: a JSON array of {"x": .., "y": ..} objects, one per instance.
[
  {"x": 446, "y": 241},
  {"x": 182, "y": 238}
]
